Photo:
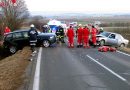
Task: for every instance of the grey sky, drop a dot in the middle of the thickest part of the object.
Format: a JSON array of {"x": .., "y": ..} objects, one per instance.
[{"x": 97, "y": 6}]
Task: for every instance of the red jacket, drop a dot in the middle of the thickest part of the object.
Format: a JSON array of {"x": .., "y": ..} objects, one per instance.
[
  {"x": 79, "y": 32},
  {"x": 94, "y": 32},
  {"x": 86, "y": 32},
  {"x": 70, "y": 32},
  {"x": 7, "y": 30}
]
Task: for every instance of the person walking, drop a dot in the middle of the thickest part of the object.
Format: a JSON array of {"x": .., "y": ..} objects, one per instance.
[
  {"x": 70, "y": 35},
  {"x": 79, "y": 35},
  {"x": 32, "y": 33},
  {"x": 93, "y": 35},
  {"x": 86, "y": 33}
]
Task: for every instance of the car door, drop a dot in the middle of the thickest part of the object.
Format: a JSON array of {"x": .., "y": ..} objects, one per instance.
[
  {"x": 8, "y": 40},
  {"x": 26, "y": 38},
  {"x": 18, "y": 39},
  {"x": 120, "y": 39},
  {"x": 112, "y": 40}
]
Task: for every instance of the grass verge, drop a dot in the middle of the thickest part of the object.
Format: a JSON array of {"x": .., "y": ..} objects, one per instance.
[{"x": 12, "y": 70}]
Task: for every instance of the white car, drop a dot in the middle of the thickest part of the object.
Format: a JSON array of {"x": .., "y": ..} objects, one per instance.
[{"x": 113, "y": 39}]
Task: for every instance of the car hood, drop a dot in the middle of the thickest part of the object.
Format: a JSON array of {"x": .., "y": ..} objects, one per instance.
[
  {"x": 46, "y": 34},
  {"x": 100, "y": 35}
]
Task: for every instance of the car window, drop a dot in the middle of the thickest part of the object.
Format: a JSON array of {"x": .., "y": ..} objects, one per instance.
[
  {"x": 8, "y": 37},
  {"x": 105, "y": 34},
  {"x": 118, "y": 36},
  {"x": 112, "y": 36},
  {"x": 17, "y": 35},
  {"x": 25, "y": 34}
]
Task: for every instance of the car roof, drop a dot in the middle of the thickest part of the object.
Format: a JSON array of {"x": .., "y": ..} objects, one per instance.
[
  {"x": 112, "y": 32},
  {"x": 21, "y": 30}
]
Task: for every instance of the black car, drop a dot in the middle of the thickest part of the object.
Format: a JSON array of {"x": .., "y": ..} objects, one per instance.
[{"x": 16, "y": 40}]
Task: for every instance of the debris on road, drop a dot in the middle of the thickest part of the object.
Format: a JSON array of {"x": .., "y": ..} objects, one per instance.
[{"x": 106, "y": 49}]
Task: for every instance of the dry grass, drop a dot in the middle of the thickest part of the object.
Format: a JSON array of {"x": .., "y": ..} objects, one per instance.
[
  {"x": 12, "y": 70},
  {"x": 127, "y": 50}
]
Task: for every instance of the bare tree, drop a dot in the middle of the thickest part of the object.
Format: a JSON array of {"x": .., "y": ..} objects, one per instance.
[
  {"x": 13, "y": 16},
  {"x": 38, "y": 21}
]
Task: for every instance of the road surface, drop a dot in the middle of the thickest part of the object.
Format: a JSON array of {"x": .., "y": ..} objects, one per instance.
[{"x": 62, "y": 68}]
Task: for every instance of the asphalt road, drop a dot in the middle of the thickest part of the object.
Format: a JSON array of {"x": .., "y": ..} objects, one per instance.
[{"x": 63, "y": 68}]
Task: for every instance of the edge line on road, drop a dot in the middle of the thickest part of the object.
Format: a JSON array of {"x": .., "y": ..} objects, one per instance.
[
  {"x": 123, "y": 53},
  {"x": 111, "y": 71},
  {"x": 37, "y": 71}
]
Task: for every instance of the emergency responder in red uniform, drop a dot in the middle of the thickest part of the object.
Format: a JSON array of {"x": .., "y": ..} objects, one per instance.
[
  {"x": 93, "y": 35},
  {"x": 79, "y": 35},
  {"x": 70, "y": 35},
  {"x": 86, "y": 33},
  {"x": 7, "y": 30}
]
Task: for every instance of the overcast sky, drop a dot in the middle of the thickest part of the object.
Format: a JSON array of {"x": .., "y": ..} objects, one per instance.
[{"x": 92, "y": 6}]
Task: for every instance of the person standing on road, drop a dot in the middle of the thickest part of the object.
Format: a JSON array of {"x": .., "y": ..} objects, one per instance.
[
  {"x": 61, "y": 33},
  {"x": 70, "y": 35},
  {"x": 100, "y": 30},
  {"x": 86, "y": 33},
  {"x": 79, "y": 35},
  {"x": 49, "y": 29},
  {"x": 93, "y": 35},
  {"x": 45, "y": 29},
  {"x": 32, "y": 33}
]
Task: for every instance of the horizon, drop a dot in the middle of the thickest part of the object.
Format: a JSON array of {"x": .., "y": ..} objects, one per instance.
[
  {"x": 85, "y": 13},
  {"x": 89, "y": 6}
]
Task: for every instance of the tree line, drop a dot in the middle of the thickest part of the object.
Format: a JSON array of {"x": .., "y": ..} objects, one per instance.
[{"x": 12, "y": 16}]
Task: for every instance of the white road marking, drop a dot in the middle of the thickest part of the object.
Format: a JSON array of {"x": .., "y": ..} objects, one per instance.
[
  {"x": 37, "y": 71},
  {"x": 123, "y": 53},
  {"x": 111, "y": 71}
]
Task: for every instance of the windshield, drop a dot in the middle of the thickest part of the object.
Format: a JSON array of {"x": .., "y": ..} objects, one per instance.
[{"x": 105, "y": 34}]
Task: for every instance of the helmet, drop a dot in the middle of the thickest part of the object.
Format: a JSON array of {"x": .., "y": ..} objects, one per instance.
[
  {"x": 31, "y": 25},
  {"x": 44, "y": 25},
  {"x": 101, "y": 28},
  {"x": 80, "y": 24}
]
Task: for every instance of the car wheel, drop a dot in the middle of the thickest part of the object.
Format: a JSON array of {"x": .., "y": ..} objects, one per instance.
[
  {"x": 12, "y": 49},
  {"x": 102, "y": 43},
  {"x": 46, "y": 43},
  {"x": 122, "y": 45}
]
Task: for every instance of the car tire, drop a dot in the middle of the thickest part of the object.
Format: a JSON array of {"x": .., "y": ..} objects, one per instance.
[
  {"x": 46, "y": 43},
  {"x": 102, "y": 43},
  {"x": 12, "y": 49},
  {"x": 122, "y": 45}
]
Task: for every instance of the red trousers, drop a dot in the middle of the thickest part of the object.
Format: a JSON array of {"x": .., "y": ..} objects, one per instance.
[
  {"x": 71, "y": 41},
  {"x": 86, "y": 41},
  {"x": 79, "y": 40},
  {"x": 94, "y": 40}
]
